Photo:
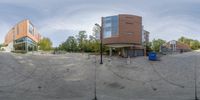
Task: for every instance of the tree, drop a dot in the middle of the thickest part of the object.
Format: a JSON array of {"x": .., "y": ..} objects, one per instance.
[
  {"x": 62, "y": 47},
  {"x": 96, "y": 32},
  {"x": 181, "y": 39},
  {"x": 81, "y": 38},
  {"x": 1, "y": 49},
  {"x": 92, "y": 45},
  {"x": 185, "y": 40},
  {"x": 194, "y": 44},
  {"x": 1, "y": 45},
  {"x": 148, "y": 46},
  {"x": 81, "y": 43},
  {"x": 71, "y": 44},
  {"x": 45, "y": 44},
  {"x": 156, "y": 44}
]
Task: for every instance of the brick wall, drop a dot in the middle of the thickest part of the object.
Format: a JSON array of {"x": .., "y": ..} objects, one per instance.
[{"x": 130, "y": 29}]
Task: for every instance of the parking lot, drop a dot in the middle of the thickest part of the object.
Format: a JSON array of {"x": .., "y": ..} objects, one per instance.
[{"x": 71, "y": 76}]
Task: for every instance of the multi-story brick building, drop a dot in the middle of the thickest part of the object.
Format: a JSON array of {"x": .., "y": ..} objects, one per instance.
[
  {"x": 23, "y": 37},
  {"x": 124, "y": 33}
]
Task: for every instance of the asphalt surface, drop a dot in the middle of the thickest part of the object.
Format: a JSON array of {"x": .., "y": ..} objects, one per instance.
[{"x": 72, "y": 77}]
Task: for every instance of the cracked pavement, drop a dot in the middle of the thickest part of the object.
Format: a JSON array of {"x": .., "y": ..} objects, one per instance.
[{"x": 71, "y": 77}]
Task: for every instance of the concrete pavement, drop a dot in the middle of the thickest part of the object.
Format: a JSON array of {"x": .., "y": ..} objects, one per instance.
[{"x": 71, "y": 77}]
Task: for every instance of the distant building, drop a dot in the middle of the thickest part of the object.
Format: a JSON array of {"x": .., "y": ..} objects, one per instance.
[
  {"x": 124, "y": 34},
  {"x": 174, "y": 46},
  {"x": 23, "y": 37},
  {"x": 146, "y": 36}
]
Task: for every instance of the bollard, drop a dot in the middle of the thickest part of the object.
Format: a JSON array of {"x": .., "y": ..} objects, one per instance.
[{"x": 128, "y": 60}]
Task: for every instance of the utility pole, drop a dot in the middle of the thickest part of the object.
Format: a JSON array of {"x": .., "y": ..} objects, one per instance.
[{"x": 101, "y": 47}]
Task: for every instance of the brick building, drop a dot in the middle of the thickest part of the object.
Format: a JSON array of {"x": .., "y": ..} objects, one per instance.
[
  {"x": 174, "y": 46},
  {"x": 23, "y": 37},
  {"x": 124, "y": 33}
]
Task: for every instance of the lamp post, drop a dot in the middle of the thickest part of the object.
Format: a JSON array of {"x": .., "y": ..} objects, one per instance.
[
  {"x": 101, "y": 62},
  {"x": 101, "y": 44}
]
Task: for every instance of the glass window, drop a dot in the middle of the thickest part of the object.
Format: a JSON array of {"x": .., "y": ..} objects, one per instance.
[
  {"x": 106, "y": 19},
  {"x": 30, "y": 41},
  {"x": 21, "y": 46},
  {"x": 110, "y": 26},
  {"x": 115, "y": 25},
  {"x": 20, "y": 40},
  {"x": 31, "y": 29},
  {"x": 107, "y": 24},
  {"x": 25, "y": 39},
  {"x": 107, "y": 34},
  {"x": 107, "y": 28}
]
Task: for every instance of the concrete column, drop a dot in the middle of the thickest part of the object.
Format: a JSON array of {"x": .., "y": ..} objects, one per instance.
[
  {"x": 26, "y": 46},
  {"x": 110, "y": 49},
  {"x": 123, "y": 52}
]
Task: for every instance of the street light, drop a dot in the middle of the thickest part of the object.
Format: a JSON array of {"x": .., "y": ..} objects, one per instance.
[
  {"x": 101, "y": 62},
  {"x": 101, "y": 44}
]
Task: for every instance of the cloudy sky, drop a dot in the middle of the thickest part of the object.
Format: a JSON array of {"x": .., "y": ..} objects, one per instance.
[{"x": 58, "y": 19}]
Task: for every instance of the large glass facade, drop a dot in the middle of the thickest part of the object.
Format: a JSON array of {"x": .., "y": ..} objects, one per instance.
[
  {"x": 25, "y": 44},
  {"x": 110, "y": 26}
]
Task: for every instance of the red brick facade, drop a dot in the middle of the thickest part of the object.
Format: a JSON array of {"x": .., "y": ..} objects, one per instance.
[
  {"x": 130, "y": 31},
  {"x": 21, "y": 30},
  {"x": 128, "y": 39}
]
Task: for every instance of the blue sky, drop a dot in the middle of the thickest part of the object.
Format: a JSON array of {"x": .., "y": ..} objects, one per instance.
[{"x": 58, "y": 19}]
